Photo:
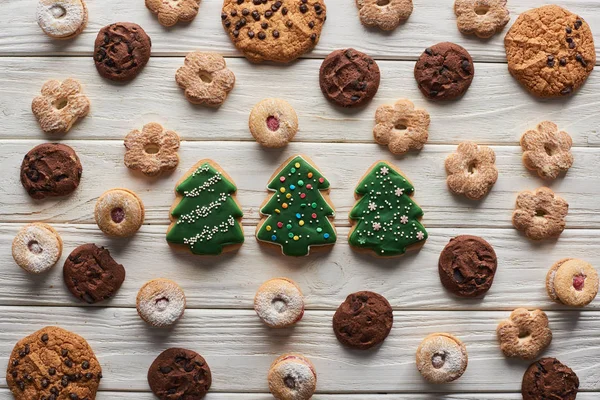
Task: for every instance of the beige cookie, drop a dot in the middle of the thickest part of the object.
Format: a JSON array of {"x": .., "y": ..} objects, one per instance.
[
  {"x": 401, "y": 127},
  {"x": 37, "y": 247},
  {"x": 525, "y": 334},
  {"x": 62, "y": 19},
  {"x": 540, "y": 214},
  {"x": 60, "y": 105},
  {"x": 119, "y": 212},
  {"x": 384, "y": 14},
  {"x": 160, "y": 302},
  {"x": 547, "y": 150},
  {"x": 471, "y": 170},
  {"x": 572, "y": 282},
  {"x": 442, "y": 358},
  {"x": 483, "y": 18},
  {"x": 152, "y": 151},
  {"x": 273, "y": 123},
  {"x": 205, "y": 79},
  {"x": 292, "y": 377},
  {"x": 171, "y": 11},
  {"x": 279, "y": 303}
]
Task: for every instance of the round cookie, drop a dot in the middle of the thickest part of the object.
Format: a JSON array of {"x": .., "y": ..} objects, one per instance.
[
  {"x": 349, "y": 78},
  {"x": 279, "y": 303},
  {"x": 280, "y": 30},
  {"x": 548, "y": 378},
  {"x": 121, "y": 51},
  {"x": 37, "y": 247},
  {"x": 119, "y": 212},
  {"x": 292, "y": 377},
  {"x": 62, "y": 19},
  {"x": 467, "y": 266},
  {"x": 50, "y": 170},
  {"x": 91, "y": 274},
  {"x": 364, "y": 320},
  {"x": 550, "y": 51},
  {"x": 179, "y": 374},
  {"x": 444, "y": 71},
  {"x": 441, "y": 358},
  {"x": 273, "y": 123},
  {"x": 160, "y": 302},
  {"x": 572, "y": 282},
  {"x": 53, "y": 363}
]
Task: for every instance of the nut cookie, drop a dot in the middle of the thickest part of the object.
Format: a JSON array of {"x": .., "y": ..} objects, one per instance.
[
  {"x": 387, "y": 17},
  {"x": 483, "y": 18},
  {"x": 540, "y": 214},
  {"x": 170, "y": 12},
  {"x": 547, "y": 150},
  {"x": 471, "y": 170},
  {"x": 205, "y": 78},
  {"x": 525, "y": 334},
  {"x": 60, "y": 105},
  {"x": 401, "y": 127},
  {"x": 152, "y": 150}
]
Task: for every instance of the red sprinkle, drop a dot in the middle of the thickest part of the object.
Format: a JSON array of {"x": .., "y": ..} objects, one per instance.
[
  {"x": 314, "y": 215},
  {"x": 302, "y": 195},
  {"x": 309, "y": 186},
  {"x": 321, "y": 180},
  {"x": 282, "y": 178},
  {"x": 280, "y": 224},
  {"x": 579, "y": 282}
]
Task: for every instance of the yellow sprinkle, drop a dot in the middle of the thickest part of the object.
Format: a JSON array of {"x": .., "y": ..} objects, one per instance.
[
  {"x": 284, "y": 205},
  {"x": 301, "y": 223},
  {"x": 297, "y": 165},
  {"x": 282, "y": 190},
  {"x": 269, "y": 228},
  {"x": 296, "y": 238},
  {"x": 277, "y": 210},
  {"x": 288, "y": 196}
]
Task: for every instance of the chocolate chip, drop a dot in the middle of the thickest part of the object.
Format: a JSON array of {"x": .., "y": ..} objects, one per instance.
[
  {"x": 250, "y": 34},
  {"x": 428, "y": 52},
  {"x": 465, "y": 65},
  {"x": 68, "y": 362},
  {"x": 64, "y": 381},
  {"x": 245, "y": 11},
  {"x": 278, "y": 4},
  {"x": 284, "y": 11},
  {"x": 45, "y": 383},
  {"x": 274, "y": 8},
  {"x": 51, "y": 371},
  {"x": 64, "y": 352},
  {"x": 275, "y": 33},
  {"x": 579, "y": 58},
  {"x": 256, "y": 15},
  {"x": 99, "y": 375},
  {"x": 311, "y": 24},
  {"x": 304, "y": 1},
  {"x": 14, "y": 374},
  {"x": 433, "y": 93},
  {"x": 165, "y": 370},
  {"x": 569, "y": 40},
  {"x": 566, "y": 91},
  {"x": 569, "y": 30},
  {"x": 317, "y": 7},
  {"x": 563, "y": 61},
  {"x": 313, "y": 37},
  {"x": 319, "y": 11},
  {"x": 45, "y": 337},
  {"x": 89, "y": 375},
  {"x": 268, "y": 14},
  {"x": 15, "y": 363},
  {"x": 236, "y": 33},
  {"x": 578, "y": 23},
  {"x": 223, "y": 16},
  {"x": 54, "y": 391},
  {"x": 289, "y": 24},
  {"x": 28, "y": 378},
  {"x": 303, "y": 8},
  {"x": 73, "y": 396},
  {"x": 262, "y": 35},
  {"x": 572, "y": 45},
  {"x": 233, "y": 13},
  {"x": 21, "y": 385},
  {"x": 264, "y": 25},
  {"x": 227, "y": 24},
  {"x": 550, "y": 61},
  {"x": 256, "y": 2}
]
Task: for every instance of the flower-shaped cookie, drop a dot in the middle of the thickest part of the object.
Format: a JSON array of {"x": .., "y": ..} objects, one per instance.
[
  {"x": 171, "y": 11},
  {"x": 205, "y": 78},
  {"x": 384, "y": 14},
  {"x": 540, "y": 214},
  {"x": 60, "y": 105},
  {"x": 401, "y": 127},
  {"x": 525, "y": 334},
  {"x": 152, "y": 151},
  {"x": 547, "y": 150},
  {"x": 471, "y": 170},
  {"x": 483, "y": 18}
]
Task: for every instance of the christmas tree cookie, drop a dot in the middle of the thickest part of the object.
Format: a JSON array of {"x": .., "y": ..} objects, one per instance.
[
  {"x": 205, "y": 218},
  {"x": 297, "y": 215},
  {"x": 385, "y": 218}
]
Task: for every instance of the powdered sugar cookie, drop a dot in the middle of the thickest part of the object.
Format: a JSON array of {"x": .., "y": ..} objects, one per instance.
[
  {"x": 152, "y": 150},
  {"x": 170, "y": 12},
  {"x": 471, "y": 170},
  {"x": 540, "y": 214},
  {"x": 572, "y": 282},
  {"x": 547, "y": 150},
  {"x": 483, "y": 18},
  {"x": 60, "y": 105},
  {"x": 273, "y": 123},
  {"x": 160, "y": 302},
  {"x": 205, "y": 78},
  {"x": 62, "y": 19},
  {"x": 292, "y": 377},
  {"x": 385, "y": 15},
  {"x": 37, "y": 247},
  {"x": 525, "y": 334},
  {"x": 119, "y": 212},
  {"x": 279, "y": 303},
  {"x": 442, "y": 358}
]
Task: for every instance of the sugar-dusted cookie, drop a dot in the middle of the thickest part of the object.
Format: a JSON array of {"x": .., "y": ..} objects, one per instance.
[
  {"x": 37, "y": 247},
  {"x": 296, "y": 216},
  {"x": 385, "y": 15},
  {"x": 471, "y": 170},
  {"x": 550, "y": 51},
  {"x": 483, "y": 18},
  {"x": 548, "y": 378},
  {"x": 62, "y": 19},
  {"x": 572, "y": 282},
  {"x": 547, "y": 150},
  {"x": 170, "y": 12},
  {"x": 119, "y": 212},
  {"x": 273, "y": 123},
  {"x": 206, "y": 217},
  {"x": 60, "y": 105},
  {"x": 152, "y": 150},
  {"x": 540, "y": 214},
  {"x": 386, "y": 220},
  {"x": 279, "y": 303},
  {"x": 160, "y": 302},
  {"x": 205, "y": 78},
  {"x": 401, "y": 127},
  {"x": 525, "y": 334},
  {"x": 442, "y": 358},
  {"x": 292, "y": 377},
  {"x": 179, "y": 374}
]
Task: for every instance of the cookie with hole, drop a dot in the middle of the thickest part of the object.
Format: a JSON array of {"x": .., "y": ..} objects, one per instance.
[
  {"x": 279, "y": 303},
  {"x": 37, "y": 247},
  {"x": 384, "y": 14},
  {"x": 273, "y": 123},
  {"x": 152, "y": 151},
  {"x": 572, "y": 282},
  {"x": 160, "y": 302},
  {"x": 540, "y": 214},
  {"x": 525, "y": 334},
  {"x": 171, "y": 12},
  {"x": 60, "y": 105},
  {"x": 471, "y": 170},
  {"x": 441, "y": 358},
  {"x": 483, "y": 18},
  {"x": 119, "y": 212},
  {"x": 401, "y": 126},
  {"x": 292, "y": 377},
  {"x": 547, "y": 150},
  {"x": 62, "y": 19}
]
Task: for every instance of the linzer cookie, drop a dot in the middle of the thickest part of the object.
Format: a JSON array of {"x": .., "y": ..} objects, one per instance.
[
  {"x": 441, "y": 358},
  {"x": 273, "y": 123},
  {"x": 548, "y": 378},
  {"x": 179, "y": 374},
  {"x": 525, "y": 334},
  {"x": 152, "y": 151},
  {"x": 37, "y": 247},
  {"x": 62, "y": 19},
  {"x": 170, "y": 12},
  {"x": 278, "y": 31},
  {"x": 60, "y": 105},
  {"x": 119, "y": 212},
  {"x": 471, "y": 170},
  {"x": 205, "y": 78},
  {"x": 572, "y": 282},
  {"x": 384, "y": 15},
  {"x": 160, "y": 302},
  {"x": 401, "y": 126},
  {"x": 483, "y": 18},
  {"x": 292, "y": 377}
]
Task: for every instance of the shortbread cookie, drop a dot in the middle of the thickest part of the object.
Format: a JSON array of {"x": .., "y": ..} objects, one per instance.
[
  {"x": 205, "y": 78},
  {"x": 179, "y": 374},
  {"x": 550, "y": 51},
  {"x": 386, "y": 220},
  {"x": 540, "y": 214},
  {"x": 384, "y": 15},
  {"x": 547, "y": 150},
  {"x": 483, "y": 18},
  {"x": 548, "y": 378},
  {"x": 50, "y": 170},
  {"x": 152, "y": 151},
  {"x": 53, "y": 363},
  {"x": 401, "y": 127},
  {"x": 278, "y": 31},
  {"x": 292, "y": 377},
  {"x": 297, "y": 215},
  {"x": 160, "y": 302},
  {"x": 60, "y": 105},
  {"x": 471, "y": 170},
  {"x": 121, "y": 51},
  {"x": 349, "y": 78},
  {"x": 525, "y": 334},
  {"x": 273, "y": 123},
  {"x": 572, "y": 282},
  {"x": 279, "y": 303},
  {"x": 170, "y": 12},
  {"x": 37, "y": 247},
  {"x": 62, "y": 19},
  {"x": 444, "y": 71},
  {"x": 442, "y": 358},
  {"x": 119, "y": 212},
  {"x": 206, "y": 217}
]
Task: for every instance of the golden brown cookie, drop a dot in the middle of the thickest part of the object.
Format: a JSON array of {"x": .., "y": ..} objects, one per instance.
[
  {"x": 540, "y": 214},
  {"x": 37, "y": 247},
  {"x": 171, "y": 11},
  {"x": 160, "y": 302},
  {"x": 572, "y": 282},
  {"x": 384, "y": 14},
  {"x": 442, "y": 358},
  {"x": 119, "y": 212},
  {"x": 152, "y": 151},
  {"x": 525, "y": 334},
  {"x": 471, "y": 170},
  {"x": 292, "y": 377},
  {"x": 547, "y": 150},
  {"x": 62, "y": 19},
  {"x": 60, "y": 105},
  {"x": 483, "y": 18},
  {"x": 401, "y": 127},
  {"x": 273, "y": 123}
]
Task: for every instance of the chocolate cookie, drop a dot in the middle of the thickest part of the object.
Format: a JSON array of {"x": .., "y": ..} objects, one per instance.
[
  {"x": 179, "y": 374},
  {"x": 53, "y": 363},
  {"x": 444, "y": 71},
  {"x": 276, "y": 30},
  {"x": 91, "y": 274},
  {"x": 349, "y": 78},
  {"x": 364, "y": 320},
  {"x": 550, "y": 51},
  {"x": 50, "y": 170},
  {"x": 467, "y": 266},
  {"x": 121, "y": 51},
  {"x": 548, "y": 378}
]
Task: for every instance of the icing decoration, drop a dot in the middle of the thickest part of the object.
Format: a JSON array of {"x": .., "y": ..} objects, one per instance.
[
  {"x": 302, "y": 219},
  {"x": 207, "y": 217},
  {"x": 393, "y": 224}
]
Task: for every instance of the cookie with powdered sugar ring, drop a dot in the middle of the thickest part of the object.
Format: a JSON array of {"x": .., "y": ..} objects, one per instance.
[
  {"x": 37, "y": 247},
  {"x": 62, "y": 19}
]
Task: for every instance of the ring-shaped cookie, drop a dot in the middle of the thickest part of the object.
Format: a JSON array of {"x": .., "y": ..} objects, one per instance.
[
  {"x": 119, "y": 212},
  {"x": 525, "y": 334},
  {"x": 441, "y": 358},
  {"x": 572, "y": 282},
  {"x": 292, "y": 377},
  {"x": 273, "y": 123},
  {"x": 36, "y": 248},
  {"x": 160, "y": 302},
  {"x": 62, "y": 19},
  {"x": 279, "y": 303}
]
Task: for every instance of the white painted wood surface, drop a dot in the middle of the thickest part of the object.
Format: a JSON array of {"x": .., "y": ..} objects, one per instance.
[{"x": 219, "y": 322}]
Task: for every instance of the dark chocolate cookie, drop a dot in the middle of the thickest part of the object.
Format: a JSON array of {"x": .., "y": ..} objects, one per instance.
[
  {"x": 91, "y": 274},
  {"x": 444, "y": 71},
  {"x": 121, "y": 51},
  {"x": 548, "y": 378},
  {"x": 349, "y": 78},
  {"x": 364, "y": 320},
  {"x": 467, "y": 266},
  {"x": 50, "y": 170},
  {"x": 179, "y": 374}
]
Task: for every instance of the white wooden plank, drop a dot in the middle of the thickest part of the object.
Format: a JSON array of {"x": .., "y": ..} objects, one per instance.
[
  {"x": 495, "y": 110},
  {"x": 431, "y": 22}
]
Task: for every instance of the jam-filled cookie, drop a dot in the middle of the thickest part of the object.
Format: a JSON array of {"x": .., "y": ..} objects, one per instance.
[
  {"x": 572, "y": 282},
  {"x": 119, "y": 212},
  {"x": 442, "y": 358},
  {"x": 160, "y": 302},
  {"x": 292, "y": 377}
]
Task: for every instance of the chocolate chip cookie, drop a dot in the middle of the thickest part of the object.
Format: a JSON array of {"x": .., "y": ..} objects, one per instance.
[
  {"x": 349, "y": 78},
  {"x": 548, "y": 378},
  {"x": 91, "y": 274},
  {"x": 467, "y": 266},
  {"x": 50, "y": 170},
  {"x": 444, "y": 71},
  {"x": 550, "y": 51},
  {"x": 273, "y": 30},
  {"x": 53, "y": 363},
  {"x": 121, "y": 51},
  {"x": 179, "y": 374},
  {"x": 364, "y": 320}
]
